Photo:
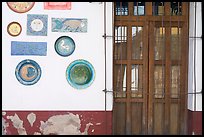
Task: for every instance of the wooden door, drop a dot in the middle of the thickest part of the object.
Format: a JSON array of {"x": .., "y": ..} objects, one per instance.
[{"x": 150, "y": 68}]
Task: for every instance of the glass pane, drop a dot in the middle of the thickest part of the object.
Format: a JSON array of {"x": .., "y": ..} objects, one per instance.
[
  {"x": 137, "y": 42},
  {"x": 175, "y": 43},
  {"x": 159, "y": 47},
  {"x": 159, "y": 81},
  {"x": 175, "y": 81},
  {"x": 120, "y": 80},
  {"x": 176, "y": 8},
  {"x": 158, "y": 8},
  {"x": 139, "y": 8},
  {"x": 120, "y": 49},
  {"x": 121, "y": 8},
  {"x": 136, "y": 81}
]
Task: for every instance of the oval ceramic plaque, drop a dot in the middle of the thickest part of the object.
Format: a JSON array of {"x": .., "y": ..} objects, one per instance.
[
  {"x": 14, "y": 29},
  {"x": 64, "y": 46},
  {"x": 28, "y": 72},
  {"x": 80, "y": 74},
  {"x": 20, "y": 7}
]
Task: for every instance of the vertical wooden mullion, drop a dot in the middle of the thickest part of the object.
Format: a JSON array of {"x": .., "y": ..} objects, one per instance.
[
  {"x": 167, "y": 12},
  {"x": 184, "y": 69},
  {"x": 145, "y": 75},
  {"x": 151, "y": 78},
  {"x": 167, "y": 78},
  {"x": 167, "y": 8},
  {"x": 148, "y": 8},
  {"x": 184, "y": 8},
  {"x": 128, "y": 98},
  {"x": 131, "y": 8}
]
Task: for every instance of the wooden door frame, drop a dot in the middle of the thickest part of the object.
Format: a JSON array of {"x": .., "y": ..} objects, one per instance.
[{"x": 145, "y": 21}]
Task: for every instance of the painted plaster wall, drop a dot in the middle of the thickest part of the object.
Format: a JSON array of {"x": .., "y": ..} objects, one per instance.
[
  {"x": 52, "y": 92},
  {"x": 56, "y": 123},
  {"x": 195, "y": 44}
]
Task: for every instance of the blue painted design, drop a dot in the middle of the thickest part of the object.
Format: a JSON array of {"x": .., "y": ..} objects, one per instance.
[
  {"x": 28, "y": 48},
  {"x": 80, "y": 74},
  {"x": 28, "y": 72},
  {"x": 37, "y": 24},
  {"x": 64, "y": 46},
  {"x": 69, "y": 25}
]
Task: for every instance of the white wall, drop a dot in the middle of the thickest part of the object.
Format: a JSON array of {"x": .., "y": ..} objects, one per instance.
[
  {"x": 52, "y": 91},
  {"x": 195, "y": 44}
]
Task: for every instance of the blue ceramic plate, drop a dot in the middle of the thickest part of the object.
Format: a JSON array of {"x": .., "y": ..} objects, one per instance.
[
  {"x": 28, "y": 72},
  {"x": 64, "y": 46},
  {"x": 80, "y": 74}
]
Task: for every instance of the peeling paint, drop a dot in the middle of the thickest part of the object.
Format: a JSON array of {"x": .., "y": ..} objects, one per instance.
[
  {"x": 31, "y": 118},
  {"x": 68, "y": 124},
  {"x": 3, "y": 113},
  {"x": 37, "y": 133},
  {"x": 98, "y": 124},
  {"x": 4, "y": 126},
  {"x": 87, "y": 128},
  {"x": 18, "y": 124}
]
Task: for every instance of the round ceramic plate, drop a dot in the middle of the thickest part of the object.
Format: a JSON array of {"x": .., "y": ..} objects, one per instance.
[
  {"x": 28, "y": 72},
  {"x": 20, "y": 7},
  {"x": 64, "y": 46},
  {"x": 14, "y": 29},
  {"x": 80, "y": 74}
]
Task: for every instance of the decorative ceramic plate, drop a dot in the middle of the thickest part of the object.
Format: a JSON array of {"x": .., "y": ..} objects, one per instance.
[
  {"x": 20, "y": 7},
  {"x": 80, "y": 74},
  {"x": 14, "y": 29},
  {"x": 64, "y": 46},
  {"x": 28, "y": 72}
]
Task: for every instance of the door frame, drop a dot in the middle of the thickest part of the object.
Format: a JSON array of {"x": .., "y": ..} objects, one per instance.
[{"x": 146, "y": 22}]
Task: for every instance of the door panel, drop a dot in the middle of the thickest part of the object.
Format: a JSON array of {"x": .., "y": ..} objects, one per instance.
[{"x": 150, "y": 55}]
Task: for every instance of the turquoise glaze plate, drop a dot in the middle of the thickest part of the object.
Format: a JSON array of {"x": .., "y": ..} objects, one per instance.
[
  {"x": 28, "y": 72},
  {"x": 80, "y": 74},
  {"x": 64, "y": 46}
]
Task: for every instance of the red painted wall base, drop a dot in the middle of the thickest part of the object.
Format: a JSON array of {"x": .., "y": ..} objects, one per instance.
[
  {"x": 101, "y": 121},
  {"x": 194, "y": 122}
]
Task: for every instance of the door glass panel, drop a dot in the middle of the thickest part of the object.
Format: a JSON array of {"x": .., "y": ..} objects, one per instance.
[
  {"x": 159, "y": 81},
  {"x": 158, "y": 8},
  {"x": 137, "y": 42},
  {"x": 120, "y": 80},
  {"x": 159, "y": 43},
  {"x": 139, "y": 8},
  {"x": 176, "y": 8},
  {"x": 175, "y": 43},
  {"x": 136, "y": 81},
  {"x": 121, "y": 8},
  {"x": 120, "y": 49},
  {"x": 175, "y": 81}
]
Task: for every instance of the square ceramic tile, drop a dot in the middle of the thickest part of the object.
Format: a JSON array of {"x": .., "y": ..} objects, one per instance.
[{"x": 37, "y": 24}]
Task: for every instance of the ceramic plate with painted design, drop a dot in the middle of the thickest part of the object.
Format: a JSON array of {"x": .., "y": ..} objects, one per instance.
[
  {"x": 64, "y": 46},
  {"x": 20, "y": 7},
  {"x": 80, "y": 74},
  {"x": 28, "y": 72},
  {"x": 14, "y": 29}
]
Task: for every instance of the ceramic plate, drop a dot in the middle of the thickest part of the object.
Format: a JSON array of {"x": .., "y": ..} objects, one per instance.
[
  {"x": 20, "y": 7},
  {"x": 80, "y": 74},
  {"x": 28, "y": 72},
  {"x": 64, "y": 46},
  {"x": 14, "y": 29}
]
